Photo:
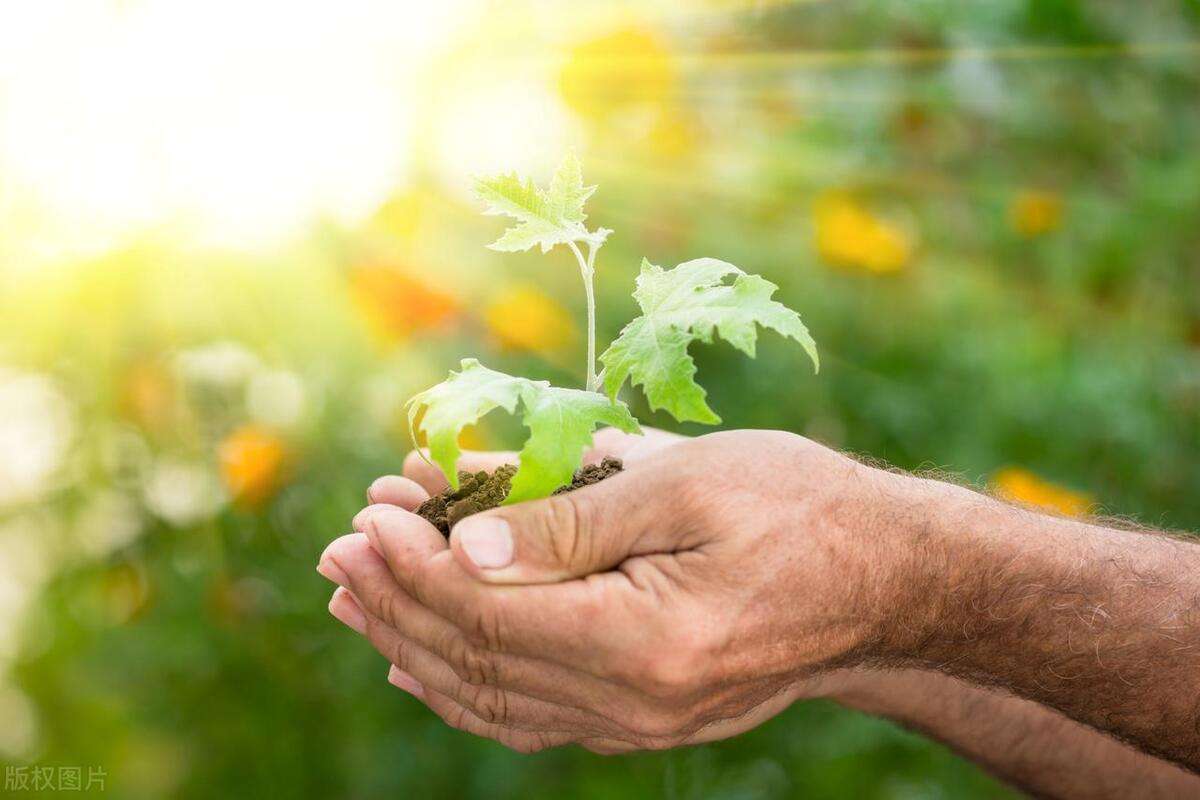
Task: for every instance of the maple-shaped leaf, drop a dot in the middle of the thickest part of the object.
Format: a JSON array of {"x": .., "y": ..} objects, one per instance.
[
  {"x": 560, "y": 423},
  {"x": 680, "y": 306},
  {"x": 545, "y": 217},
  {"x": 461, "y": 400}
]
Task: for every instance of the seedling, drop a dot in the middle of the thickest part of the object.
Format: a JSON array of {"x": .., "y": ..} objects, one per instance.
[{"x": 691, "y": 302}]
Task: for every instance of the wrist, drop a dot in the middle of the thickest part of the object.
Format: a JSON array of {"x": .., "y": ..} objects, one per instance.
[{"x": 906, "y": 540}]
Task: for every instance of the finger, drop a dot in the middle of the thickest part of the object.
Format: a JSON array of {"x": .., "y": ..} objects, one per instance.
[
  {"x": 430, "y": 476},
  {"x": 573, "y": 534},
  {"x": 489, "y": 702},
  {"x": 585, "y": 625},
  {"x": 461, "y": 718},
  {"x": 629, "y": 447},
  {"x": 397, "y": 491},
  {"x": 354, "y": 565}
]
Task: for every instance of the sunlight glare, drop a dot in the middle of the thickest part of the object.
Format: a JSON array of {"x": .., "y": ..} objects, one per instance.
[{"x": 230, "y": 123}]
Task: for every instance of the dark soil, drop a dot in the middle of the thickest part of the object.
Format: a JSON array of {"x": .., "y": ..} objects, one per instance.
[{"x": 479, "y": 491}]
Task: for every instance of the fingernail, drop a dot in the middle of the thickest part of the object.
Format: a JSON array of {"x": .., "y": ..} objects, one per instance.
[
  {"x": 359, "y": 523},
  {"x": 486, "y": 540},
  {"x": 402, "y": 680},
  {"x": 345, "y": 609},
  {"x": 330, "y": 570}
]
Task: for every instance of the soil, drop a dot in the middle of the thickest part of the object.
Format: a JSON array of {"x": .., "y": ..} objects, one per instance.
[{"x": 479, "y": 491}]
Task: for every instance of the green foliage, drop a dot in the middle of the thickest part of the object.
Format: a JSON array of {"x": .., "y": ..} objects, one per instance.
[
  {"x": 688, "y": 303},
  {"x": 560, "y": 423},
  {"x": 462, "y": 400},
  {"x": 683, "y": 305},
  {"x": 546, "y": 217}
]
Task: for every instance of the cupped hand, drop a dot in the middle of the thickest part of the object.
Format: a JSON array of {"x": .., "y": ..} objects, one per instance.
[{"x": 686, "y": 599}]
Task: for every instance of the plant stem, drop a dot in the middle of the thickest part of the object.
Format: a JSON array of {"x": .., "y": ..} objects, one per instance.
[{"x": 587, "y": 270}]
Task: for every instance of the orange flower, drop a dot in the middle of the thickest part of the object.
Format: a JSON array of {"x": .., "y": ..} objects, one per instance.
[
  {"x": 1022, "y": 486},
  {"x": 396, "y": 305},
  {"x": 252, "y": 460},
  {"x": 849, "y": 235},
  {"x": 526, "y": 318},
  {"x": 625, "y": 67},
  {"x": 1035, "y": 213}
]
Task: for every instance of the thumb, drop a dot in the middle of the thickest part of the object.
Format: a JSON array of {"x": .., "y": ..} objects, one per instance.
[{"x": 567, "y": 535}]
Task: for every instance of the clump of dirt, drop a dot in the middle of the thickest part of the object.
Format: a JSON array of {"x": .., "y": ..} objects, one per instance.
[
  {"x": 593, "y": 473},
  {"x": 479, "y": 491}
]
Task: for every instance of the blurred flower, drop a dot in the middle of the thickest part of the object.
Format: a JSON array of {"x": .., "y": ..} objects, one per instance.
[
  {"x": 850, "y": 235},
  {"x": 36, "y": 428},
  {"x": 26, "y": 560},
  {"x": 252, "y": 460},
  {"x": 108, "y": 521},
  {"x": 1022, "y": 486},
  {"x": 625, "y": 67},
  {"x": 1034, "y": 213},
  {"x": 275, "y": 398},
  {"x": 474, "y": 437},
  {"x": 396, "y": 305},
  {"x": 526, "y": 318},
  {"x": 147, "y": 394},
  {"x": 19, "y": 733},
  {"x": 124, "y": 454},
  {"x": 220, "y": 364},
  {"x": 182, "y": 493}
]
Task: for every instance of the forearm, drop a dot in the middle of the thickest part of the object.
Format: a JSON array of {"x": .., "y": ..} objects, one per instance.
[
  {"x": 1019, "y": 741},
  {"x": 1100, "y": 624}
]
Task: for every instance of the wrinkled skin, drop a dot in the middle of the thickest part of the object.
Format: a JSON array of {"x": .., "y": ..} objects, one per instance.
[{"x": 715, "y": 596}]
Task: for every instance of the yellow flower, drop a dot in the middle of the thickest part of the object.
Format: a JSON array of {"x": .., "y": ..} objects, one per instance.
[
  {"x": 395, "y": 305},
  {"x": 850, "y": 235},
  {"x": 1022, "y": 486},
  {"x": 1035, "y": 213},
  {"x": 626, "y": 67},
  {"x": 252, "y": 460},
  {"x": 525, "y": 318}
]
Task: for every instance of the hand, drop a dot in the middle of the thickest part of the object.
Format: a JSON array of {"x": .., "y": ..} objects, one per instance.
[{"x": 686, "y": 599}]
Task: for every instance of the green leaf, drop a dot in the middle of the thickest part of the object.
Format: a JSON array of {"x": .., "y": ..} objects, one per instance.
[
  {"x": 462, "y": 400},
  {"x": 545, "y": 217},
  {"x": 688, "y": 303},
  {"x": 560, "y": 423}
]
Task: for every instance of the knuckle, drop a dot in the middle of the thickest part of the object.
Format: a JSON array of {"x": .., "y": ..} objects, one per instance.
[
  {"x": 670, "y": 676},
  {"x": 652, "y": 726},
  {"x": 487, "y": 702},
  {"x": 568, "y": 530},
  {"x": 402, "y": 655},
  {"x": 486, "y": 628},
  {"x": 472, "y": 665},
  {"x": 419, "y": 582},
  {"x": 390, "y": 609}
]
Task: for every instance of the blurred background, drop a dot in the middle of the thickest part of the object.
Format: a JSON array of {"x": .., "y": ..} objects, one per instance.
[{"x": 235, "y": 237}]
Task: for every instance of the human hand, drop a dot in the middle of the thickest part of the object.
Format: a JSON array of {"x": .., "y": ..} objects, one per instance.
[{"x": 686, "y": 599}]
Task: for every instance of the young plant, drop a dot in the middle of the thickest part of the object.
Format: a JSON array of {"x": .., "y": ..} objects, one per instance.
[{"x": 691, "y": 302}]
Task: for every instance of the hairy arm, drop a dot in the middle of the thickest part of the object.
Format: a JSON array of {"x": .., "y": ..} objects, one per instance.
[
  {"x": 749, "y": 569},
  {"x": 1101, "y": 624},
  {"x": 1019, "y": 741}
]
